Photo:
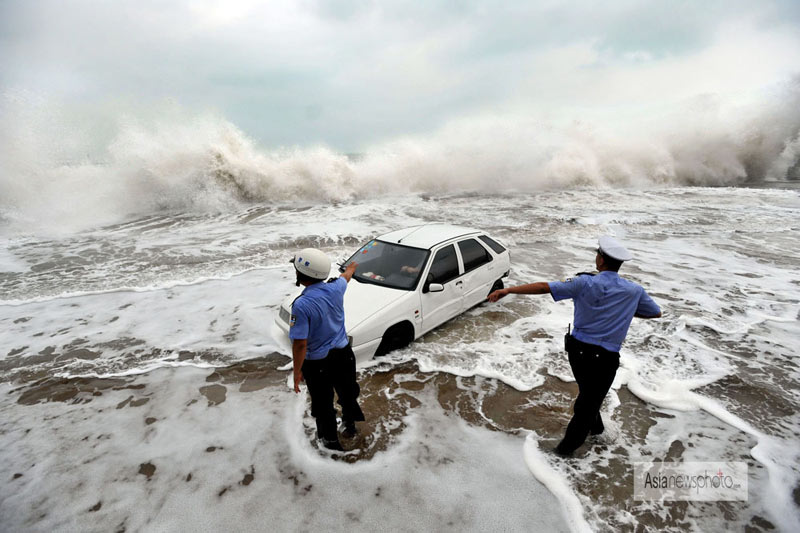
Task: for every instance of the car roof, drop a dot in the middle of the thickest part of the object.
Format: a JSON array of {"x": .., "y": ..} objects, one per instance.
[{"x": 427, "y": 235}]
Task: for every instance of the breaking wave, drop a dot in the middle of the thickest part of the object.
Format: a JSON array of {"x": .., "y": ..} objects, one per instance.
[{"x": 60, "y": 169}]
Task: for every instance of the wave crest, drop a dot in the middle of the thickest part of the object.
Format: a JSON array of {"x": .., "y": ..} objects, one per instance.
[{"x": 60, "y": 170}]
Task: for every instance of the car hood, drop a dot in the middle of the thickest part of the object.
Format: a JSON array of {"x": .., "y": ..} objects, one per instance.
[{"x": 361, "y": 301}]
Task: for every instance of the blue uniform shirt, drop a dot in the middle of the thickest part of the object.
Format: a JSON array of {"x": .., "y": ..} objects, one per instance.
[
  {"x": 604, "y": 306},
  {"x": 318, "y": 316}
]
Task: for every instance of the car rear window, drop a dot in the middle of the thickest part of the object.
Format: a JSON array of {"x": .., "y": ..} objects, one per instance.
[
  {"x": 493, "y": 244},
  {"x": 473, "y": 254},
  {"x": 445, "y": 265}
]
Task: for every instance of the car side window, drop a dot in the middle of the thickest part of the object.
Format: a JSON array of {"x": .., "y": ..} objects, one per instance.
[
  {"x": 444, "y": 266},
  {"x": 493, "y": 244},
  {"x": 473, "y": 254}
]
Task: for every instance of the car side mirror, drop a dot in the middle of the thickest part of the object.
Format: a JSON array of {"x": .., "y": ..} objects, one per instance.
[
  {"x": 426, "y": 287},
  {"x": 435, "y": 287}
]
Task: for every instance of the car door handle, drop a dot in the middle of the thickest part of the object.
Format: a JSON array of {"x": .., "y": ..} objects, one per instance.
[{"x": 459, "y": 282}]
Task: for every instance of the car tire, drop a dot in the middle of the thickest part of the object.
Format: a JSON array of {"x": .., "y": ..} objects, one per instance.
[{"x": 396, "y": 337}]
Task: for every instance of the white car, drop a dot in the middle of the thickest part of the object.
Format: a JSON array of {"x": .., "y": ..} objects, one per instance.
[{"x": 412, "y": 280}]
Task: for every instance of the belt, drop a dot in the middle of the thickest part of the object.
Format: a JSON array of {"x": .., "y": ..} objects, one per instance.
[{"x": 571, "y": 344}]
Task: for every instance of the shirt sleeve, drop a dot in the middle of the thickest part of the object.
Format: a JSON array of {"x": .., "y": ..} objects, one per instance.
[
  {"x": 298, "y": 323},
  {"x": 341, "y": 284},
  {"x": 569, "y": 288},
  {"x": 647, "y": 306}
]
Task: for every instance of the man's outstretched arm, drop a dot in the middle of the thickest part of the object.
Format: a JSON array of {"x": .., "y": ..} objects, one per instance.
[
  {"x": 349, "y": 271},
  {"x": 540, "y": 287}
]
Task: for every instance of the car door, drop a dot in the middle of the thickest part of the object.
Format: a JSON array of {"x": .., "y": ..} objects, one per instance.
[
  {"x": 479, "y": 271},
  {"x": 438, "y": 307}
]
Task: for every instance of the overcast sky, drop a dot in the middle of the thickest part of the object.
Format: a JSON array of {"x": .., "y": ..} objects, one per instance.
[{"x": 350, "y": 74}]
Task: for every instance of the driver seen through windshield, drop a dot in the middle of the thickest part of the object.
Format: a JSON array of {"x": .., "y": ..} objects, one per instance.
[{"x": 389, "y": 265}]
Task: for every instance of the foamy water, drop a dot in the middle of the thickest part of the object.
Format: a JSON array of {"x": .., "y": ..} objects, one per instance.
[
  {"x": 171, "y": 463},
  {"x": 150, "y": 306}
]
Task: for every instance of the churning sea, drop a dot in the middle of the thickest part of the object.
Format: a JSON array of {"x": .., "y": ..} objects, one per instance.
[{"x": 143, "y": 383}]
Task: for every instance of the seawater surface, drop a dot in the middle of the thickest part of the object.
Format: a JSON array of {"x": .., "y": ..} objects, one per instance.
[{"x": 145, "y": 386}]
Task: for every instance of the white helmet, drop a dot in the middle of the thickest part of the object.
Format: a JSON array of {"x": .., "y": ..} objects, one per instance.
[{"x": 313, "y": 263}]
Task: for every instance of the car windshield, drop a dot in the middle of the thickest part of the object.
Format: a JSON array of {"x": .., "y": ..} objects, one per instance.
[{"x": 389, "y": 265}]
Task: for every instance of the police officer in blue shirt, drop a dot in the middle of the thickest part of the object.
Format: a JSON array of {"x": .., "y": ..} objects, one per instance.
[
  {"x": 321, "y": 352},
  {"x": 605, "y": 305}
]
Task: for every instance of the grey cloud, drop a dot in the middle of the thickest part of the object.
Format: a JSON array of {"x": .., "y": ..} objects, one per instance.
[{"x": 346, "y": 73}]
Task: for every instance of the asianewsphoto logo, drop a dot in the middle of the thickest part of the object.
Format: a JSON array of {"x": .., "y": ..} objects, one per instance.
[{"x": 691, "y": 481}]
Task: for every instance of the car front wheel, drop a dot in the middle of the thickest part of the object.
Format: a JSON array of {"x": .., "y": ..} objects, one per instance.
[{"x": 396, "y": 337}]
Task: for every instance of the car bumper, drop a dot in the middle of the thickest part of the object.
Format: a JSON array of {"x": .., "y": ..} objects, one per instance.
[{"x": 364, "y": 352}]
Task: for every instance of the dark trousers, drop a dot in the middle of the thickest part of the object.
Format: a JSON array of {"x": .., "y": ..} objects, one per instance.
[
  {"x": 337, "y": 371},
  {"x": 594, "y": 369}
]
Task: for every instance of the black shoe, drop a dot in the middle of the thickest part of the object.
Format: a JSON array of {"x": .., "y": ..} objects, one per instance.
[
  {"x": 560, "y": 452},
  {"x": 332, "y": 444},
  {"x": 350, "y": 430}
]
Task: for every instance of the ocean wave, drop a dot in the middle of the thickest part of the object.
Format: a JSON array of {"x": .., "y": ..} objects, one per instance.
[{"x": 61, "y": 170}]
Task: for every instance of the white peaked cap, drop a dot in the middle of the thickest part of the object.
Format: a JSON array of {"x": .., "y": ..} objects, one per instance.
[{"x": 613, "y": 248}]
